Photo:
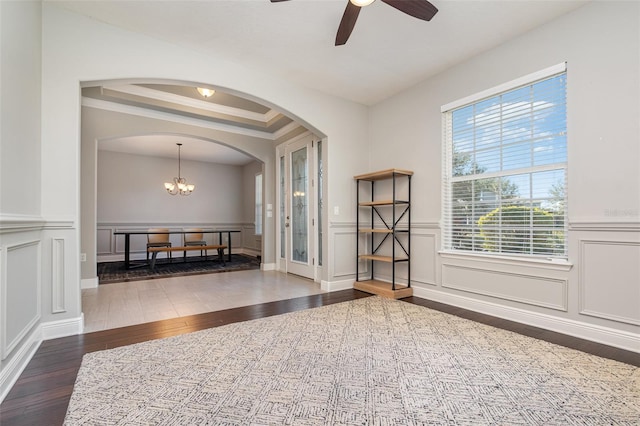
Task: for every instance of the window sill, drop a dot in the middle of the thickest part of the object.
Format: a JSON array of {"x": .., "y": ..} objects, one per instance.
[{"x": 553, "y": 264}]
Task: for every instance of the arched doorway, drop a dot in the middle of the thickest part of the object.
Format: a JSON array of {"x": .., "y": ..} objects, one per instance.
[{"x": 139, "y": 115}]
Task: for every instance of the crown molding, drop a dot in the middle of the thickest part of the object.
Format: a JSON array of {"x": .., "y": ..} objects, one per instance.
[{"x": 174, "y": 118}]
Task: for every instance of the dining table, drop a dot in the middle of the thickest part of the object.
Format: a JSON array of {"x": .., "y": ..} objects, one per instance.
[{"x": 128, "y": 234}]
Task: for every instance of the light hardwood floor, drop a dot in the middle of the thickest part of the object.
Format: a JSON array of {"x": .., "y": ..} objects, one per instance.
[{"x": 136, "y": 302}]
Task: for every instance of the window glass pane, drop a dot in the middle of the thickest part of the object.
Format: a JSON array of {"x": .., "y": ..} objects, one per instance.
[
  {"x": 463, "y": 119},
  {"x": 542, "y": 183},
  {"x": 550, "y": 150},
  {"x": 516, "y": 117},
  {"x": 488, "y": 161},
  {"x": 487, "y": 123},
  {"x": 299, "y": 206},
  {"x": 463, "y": 164},
  {"x": 516, "y": 186},
  {"x": 516, "y": 156}
]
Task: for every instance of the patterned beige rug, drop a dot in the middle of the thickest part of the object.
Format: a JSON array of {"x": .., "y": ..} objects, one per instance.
[{"x": 372, "y": 361}]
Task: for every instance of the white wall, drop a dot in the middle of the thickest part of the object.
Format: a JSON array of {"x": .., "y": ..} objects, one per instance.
[{"x": 599, "y": 296}]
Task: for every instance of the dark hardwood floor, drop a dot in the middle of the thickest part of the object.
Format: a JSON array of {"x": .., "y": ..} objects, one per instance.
[{"x": 41, "y": 394}]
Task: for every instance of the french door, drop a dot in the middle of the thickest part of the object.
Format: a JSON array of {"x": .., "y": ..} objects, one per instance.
[{"x": 297, "y": 207}]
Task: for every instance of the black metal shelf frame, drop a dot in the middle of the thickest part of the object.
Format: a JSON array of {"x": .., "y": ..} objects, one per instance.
[{"x": 376, "y": 210}]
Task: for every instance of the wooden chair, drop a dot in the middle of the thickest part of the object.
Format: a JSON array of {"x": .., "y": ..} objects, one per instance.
[
  {"x": 194, "y": 237},
  {"x": 158, "y": 240}
]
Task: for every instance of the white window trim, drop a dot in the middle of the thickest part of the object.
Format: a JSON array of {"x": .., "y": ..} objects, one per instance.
[
  {"x": 556, "y": 264},
  {"x": 521, "y": 81}
]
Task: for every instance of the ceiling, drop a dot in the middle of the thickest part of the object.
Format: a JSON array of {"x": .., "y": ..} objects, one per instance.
[
  {"x": 184, "y": 105},
  {"x": 387, "y": 52}
]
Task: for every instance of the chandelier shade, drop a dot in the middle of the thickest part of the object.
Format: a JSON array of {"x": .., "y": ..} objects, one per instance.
[{"x": 179, "y": 184}]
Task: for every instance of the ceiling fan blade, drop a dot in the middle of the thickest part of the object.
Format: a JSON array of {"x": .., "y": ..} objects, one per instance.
[
  {"x": 420, "y": 9},
  {"x": 347, "y": 23},
  {"x": 276, "y": 1}
]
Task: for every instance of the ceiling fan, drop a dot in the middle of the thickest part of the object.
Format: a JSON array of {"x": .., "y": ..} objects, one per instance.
[{"x": 420, "y": 9}]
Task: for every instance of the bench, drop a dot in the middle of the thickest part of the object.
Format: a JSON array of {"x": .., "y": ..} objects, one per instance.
[{"x": 155, "y": 250}]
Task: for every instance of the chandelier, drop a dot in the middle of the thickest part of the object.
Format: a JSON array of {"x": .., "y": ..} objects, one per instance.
[{"x": 179, "y": 184}]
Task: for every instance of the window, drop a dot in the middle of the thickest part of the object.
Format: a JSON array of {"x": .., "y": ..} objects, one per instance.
[
  {"x": 505, "y": 169},
  {"x": 258, "y": 215}
]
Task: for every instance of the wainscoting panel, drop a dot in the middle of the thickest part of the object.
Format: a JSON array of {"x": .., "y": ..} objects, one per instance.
[
  {"x": 423, "y": 258},
  {"x": 105, "y": 241},
  {"x": 57, "y": 275},
  {"x": 21, "y": 297},
  {"x": 610, "y": 280},
  {"x": 530, "y": 289},
  {"x": 344, "y": 253}
]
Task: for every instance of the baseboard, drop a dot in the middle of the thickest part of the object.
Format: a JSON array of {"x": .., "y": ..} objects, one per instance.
[
  {"x": 16, "y": 365},
  {"x": 267, "y": 266},
  {"x": 248, "y": 251},
  {"x": 595, "y": 333},
  {"x": 337, "y": 285},
  {"x": 89, "y": 283},
  {"x": 62, "y": 328}
]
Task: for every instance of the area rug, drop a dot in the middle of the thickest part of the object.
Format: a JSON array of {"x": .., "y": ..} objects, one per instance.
[
  {"x": 115, "y": 272},
  {"x": 371, "y": 361}
]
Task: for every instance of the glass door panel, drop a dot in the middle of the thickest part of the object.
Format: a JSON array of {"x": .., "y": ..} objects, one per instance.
[{"x": 299, "y": 206}]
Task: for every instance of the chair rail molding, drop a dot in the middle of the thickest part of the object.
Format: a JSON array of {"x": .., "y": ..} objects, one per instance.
[{"x": 626, "y": 224}]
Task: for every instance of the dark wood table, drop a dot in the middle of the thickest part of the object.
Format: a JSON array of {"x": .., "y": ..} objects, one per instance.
[{"x": 128, "y": 234}]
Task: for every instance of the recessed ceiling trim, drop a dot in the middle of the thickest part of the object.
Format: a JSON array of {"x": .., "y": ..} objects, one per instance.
[
  {"x": 270, "y": 115},
  {"x": 286, "y": 129},
  {"x": 195, "y": 103},
  {"x": 159, "y": 115}
]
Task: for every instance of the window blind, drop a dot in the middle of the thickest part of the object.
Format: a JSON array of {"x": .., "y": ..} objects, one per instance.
[{"x": 505, "y": 162}]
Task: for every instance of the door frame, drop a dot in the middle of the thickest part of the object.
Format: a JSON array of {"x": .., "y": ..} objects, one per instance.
[{"x": 282, "y": 262}]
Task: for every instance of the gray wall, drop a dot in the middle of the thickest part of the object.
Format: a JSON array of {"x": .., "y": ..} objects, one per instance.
[
  {"x": 19, "y": 108},
  {"x": 40, "y": 146},
  {"x": 131, "y": 196},
  {"x": 25, "y": 244},
  {"x": 99, "y": 125},
  {"x": 250, "y": 241},
  {"x": 130, "y": 190}
]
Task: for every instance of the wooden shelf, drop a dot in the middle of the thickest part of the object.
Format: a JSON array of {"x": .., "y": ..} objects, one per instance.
[
  {"x": 382, "y": 230},
  {"x": 383, "y": 174},
  {"x": 379, "y": 231},
  {"x": 382, "y": 203},
  {"x": 383, "y": 289},
  {"x": 379, "y": 247},
  {"x": 379, "y": 258}
]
